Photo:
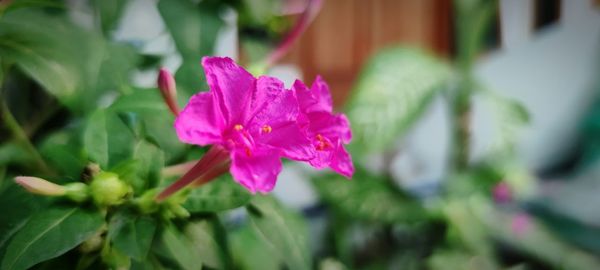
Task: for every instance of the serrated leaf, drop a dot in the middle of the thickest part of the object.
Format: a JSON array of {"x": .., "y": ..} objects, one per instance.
[
  {"x": 50, "y": 234},
  {"x": 367, "y": 197},
  {"x": 219, "y": 195},
  {"x": 106, "y": 139},
  {"x": 284, "y": 231},
  {"x": 132, "y": 234},
  {"x": 393, "y": 90}
]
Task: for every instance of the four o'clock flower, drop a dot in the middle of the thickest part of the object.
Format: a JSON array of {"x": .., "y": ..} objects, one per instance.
[
  {"x": 327, "y": 131},
  {"x": 251, "y": 123}
]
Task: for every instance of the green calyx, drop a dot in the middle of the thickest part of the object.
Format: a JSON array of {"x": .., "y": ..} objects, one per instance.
[{"x": 107, "y": 189}]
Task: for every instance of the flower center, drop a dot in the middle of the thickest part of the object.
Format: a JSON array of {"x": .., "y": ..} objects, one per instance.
[
  {"x": 322, "y": 143},
  {"x": 241, "y": 138},
  {"x": 266, "y": 129}
]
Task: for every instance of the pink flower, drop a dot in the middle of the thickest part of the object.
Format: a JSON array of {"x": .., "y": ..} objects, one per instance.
[
  {"x": 328, "y": 132},
  {"x": 250, "y": 122},
  {"x": 502, "y": 193}
]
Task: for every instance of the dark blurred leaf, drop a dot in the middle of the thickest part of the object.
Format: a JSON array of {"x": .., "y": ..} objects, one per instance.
[
  {"x": 249, "y": 251},
  {"x": 132, "y": 234},
  {"x": 110, "y": 13},
  {"x": 49, "y": 234},
  {"x": 175, "y": 247},
  {"x": 107, "y": 139},
  {"x": 284, "y": 231},
  {"x": 63, "y": 58},
  {"x": 393, "y": 90},
  {"x": 219, "y": 195},
  {"x": 194, "y": 28},
  {"x": 13, "y": 153},
  {"x": 367, "y": 197},
  {"x": 145, "y": 102}
]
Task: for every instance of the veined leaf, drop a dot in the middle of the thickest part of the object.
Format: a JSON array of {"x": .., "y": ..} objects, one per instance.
[
  {"x": 284, "y": 231},
  {"x": 132, "y": 234},
  {"x": 175, "y": 247},
  {"x": 107, "y": 139},
  {"x": 50, "y": 234},
  {"x": 393, "y": 90},
  {"x": 219, "y": 195}
]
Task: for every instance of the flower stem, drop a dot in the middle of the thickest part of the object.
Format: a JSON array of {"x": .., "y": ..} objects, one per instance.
[{"x": 312, "y": 9}]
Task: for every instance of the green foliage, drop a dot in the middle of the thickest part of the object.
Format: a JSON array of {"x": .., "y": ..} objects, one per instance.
[
  {"x": 178, "y": 248},
  {"x": 44, "y": 237},
  {"x": 107, "y": 139},
  {"x": 132, "y": 234},
  {"x": 194, "y": 27},
  {"x": 53, "y": 57},
  {"x": 284, "y": 231},
  {"x": 367, "y": 197},
  {"x": 392, "y": 91},
  {"x": 219, "y": 195}
]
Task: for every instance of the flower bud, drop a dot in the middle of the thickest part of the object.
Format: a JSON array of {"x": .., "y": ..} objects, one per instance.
[
  {"x": 168, "y": 90},
  {"x": 40, "y": 186},
  {"x": 107, "y": 189}
]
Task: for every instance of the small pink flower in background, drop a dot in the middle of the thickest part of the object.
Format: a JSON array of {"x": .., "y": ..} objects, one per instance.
[
  {"x": 502, "y": 193},
  {"x": 253, "y": 122},
  {"x": 520, "y": 224},
  {"x": 328, "y": 132}
]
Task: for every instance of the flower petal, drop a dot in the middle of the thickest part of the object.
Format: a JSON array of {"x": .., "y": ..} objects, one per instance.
[
  {"x": 291, "y": 140},
  {"x": 341, "y": 161},
  {"x": 257, "y": 171},
  {"x": 330, "y": 126},
  {"x": 232, "y": 85},
  {"x": 315, "y": 99},
  {"x": 201, "y": 121}
]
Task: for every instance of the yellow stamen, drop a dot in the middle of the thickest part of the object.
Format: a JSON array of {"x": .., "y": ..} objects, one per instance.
[
  {"x": 238, "y": 127},
  {"x": 266, "y": 129}
]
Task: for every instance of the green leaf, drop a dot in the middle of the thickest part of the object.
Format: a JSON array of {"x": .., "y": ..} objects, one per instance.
[
  {"x": 194, "y": 28},
  {"x": 367, "y": 197},
  {"x": 203, "y": 235},
  {"x": 110, "y": 12},
  {"x": 219, "y": 195},
  {"x": 176, "y": 247},
  {"x": 150, "y": 163},
  {"x": 107, "y": 139},
  {"x": 248, "y": 251},
  {"x": 284, "y": 231},
  {"x": 61, "y": 57},
  {"x": 156, "y": 119},
  {"x": 63, "y": 154},
  {"x": 119, "y": 63},
  {"x": 50, "y": 234},
  {"x": 14, "y": 218},
  {"x": 132, "y": 234},
  {"x": 393, "y": 90},
  {"x": 510, "y": 118}
]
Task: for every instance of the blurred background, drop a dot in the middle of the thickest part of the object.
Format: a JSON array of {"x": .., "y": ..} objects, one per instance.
[{"x": 476, "y": 123}]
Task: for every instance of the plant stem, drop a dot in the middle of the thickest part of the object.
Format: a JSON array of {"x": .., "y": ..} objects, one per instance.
[
  {"x": 312, "y": 9},
  {"x": 473, "y": 18}
]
